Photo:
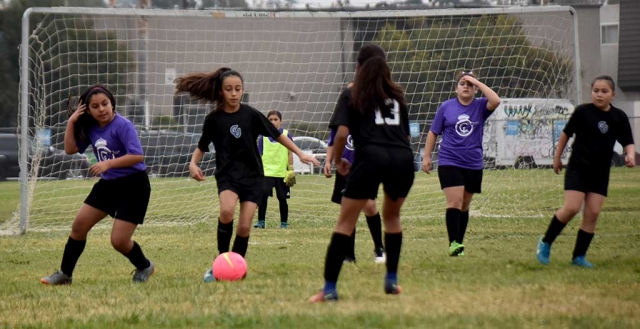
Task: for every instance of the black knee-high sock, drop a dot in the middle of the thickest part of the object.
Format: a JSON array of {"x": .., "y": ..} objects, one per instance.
[
  {"x": 72, "y": 251},
  {"x": 284, "y": 211},
  {"x": 375, "y": 227},
  {"x": 582, "y": 243},
  {"x": 350, "y": 248},
  {"x": 262, "y": 207},
  {"x": 137, "y": 258},
  {"x": 224, "y": 235},
  {"x": 393, "y": 242},
  {"x": 453, "y": 223},
  {"x": 554, "y": 229},
  {"x": 240, "y": 245},
  {"x": 464, "y": 221},
  {"x": 335, "y": 257}
]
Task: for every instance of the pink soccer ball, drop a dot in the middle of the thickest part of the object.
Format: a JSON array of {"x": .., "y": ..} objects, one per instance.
[{"x": 229, "y": 266}]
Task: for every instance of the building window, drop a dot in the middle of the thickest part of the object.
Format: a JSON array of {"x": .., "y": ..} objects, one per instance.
[{"x": 608, "y": 34}]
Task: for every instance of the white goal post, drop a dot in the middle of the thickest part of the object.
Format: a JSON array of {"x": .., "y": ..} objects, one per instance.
[{"x": 296, "y": 62}]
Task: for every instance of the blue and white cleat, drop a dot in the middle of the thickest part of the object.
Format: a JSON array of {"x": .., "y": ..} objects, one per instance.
[
  {"x": 208, "y": 276},
  {"x": 544, "y": 252},
  {"x": 582, "y": 262}
]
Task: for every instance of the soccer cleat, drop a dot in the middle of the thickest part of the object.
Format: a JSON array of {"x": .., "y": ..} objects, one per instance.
[
  {"x": 57, "y": 278},
  {"x": 208, "y": 276},
  {"x": 143, "y": 275},
  {"x": 392, "y": 287},
  {"x": 322, "y": 297},
  {"x": 284, "y": 225},
  {"x": 455, "y": 249},
  {"x": 380, "y": 256},
  {"x": 350, "y": 259},
  {"x": 582, "y": 262},
  {"x": 544, "y": 252},
  {"x": 259, "y": 224}
]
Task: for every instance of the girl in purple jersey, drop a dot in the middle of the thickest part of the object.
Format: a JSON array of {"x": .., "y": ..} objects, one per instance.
[
  {"x": 123, "y": 190},
  {"x": 460, "y": 121},
  {"x": 370, "y": 210}
]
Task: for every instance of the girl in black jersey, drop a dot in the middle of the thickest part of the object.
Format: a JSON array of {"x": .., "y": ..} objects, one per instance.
[
  {"x": 233, "y": 128},
  {"x": 596, "y": 126},
  {"x": 374, "y": 112}
]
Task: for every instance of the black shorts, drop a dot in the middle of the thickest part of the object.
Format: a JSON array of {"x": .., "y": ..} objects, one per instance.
[
  {"x": 282, "y": 190},
  {"x": 247, "y": 190},
  {"x": 124, "y": 198},
  {"x": 375, "y": 165},
  {"x": 339, "y": 186},
  {"x": 451, "y": 176},
  {"x": 587, "y": 181}
]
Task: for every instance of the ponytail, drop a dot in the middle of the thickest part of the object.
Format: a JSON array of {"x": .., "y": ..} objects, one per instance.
[{"x": 205, "y": 86}]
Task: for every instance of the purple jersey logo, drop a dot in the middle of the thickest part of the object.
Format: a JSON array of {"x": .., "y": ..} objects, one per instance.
[
  {"x": 104, "y": 153},
  {"x": 349, "y": 145},
  {"x": 464, "y": 126}
]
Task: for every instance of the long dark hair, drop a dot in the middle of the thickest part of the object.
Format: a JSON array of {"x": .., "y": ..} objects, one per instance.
[
  {"x": 86, "y": 120},
  {"x": 206, "y": 86},
  {"x": 373, "y": 86}
]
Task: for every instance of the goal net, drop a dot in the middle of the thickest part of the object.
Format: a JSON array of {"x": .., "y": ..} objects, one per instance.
[{"x": 296, "y": 62}]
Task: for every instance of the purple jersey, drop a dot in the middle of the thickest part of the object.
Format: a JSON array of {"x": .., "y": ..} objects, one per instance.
[
  {"x": 462, "y": 128},
  {"x": 271, "y": 139},
  {"x": 348, "y": 153},
  {"x": 112, "y": 141}
]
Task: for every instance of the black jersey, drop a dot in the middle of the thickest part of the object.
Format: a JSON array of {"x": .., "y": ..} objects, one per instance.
[
  {"x": 390, "y": 130},
  {"x": 234, "y": 137},
  {"x": 596, "y": 132}
]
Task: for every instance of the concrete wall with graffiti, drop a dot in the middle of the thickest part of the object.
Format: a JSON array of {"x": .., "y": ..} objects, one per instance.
[{"x": 524, "y": 132}]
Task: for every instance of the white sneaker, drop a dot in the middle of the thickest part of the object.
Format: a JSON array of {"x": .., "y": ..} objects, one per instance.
[{"x": 381, "y": 256}]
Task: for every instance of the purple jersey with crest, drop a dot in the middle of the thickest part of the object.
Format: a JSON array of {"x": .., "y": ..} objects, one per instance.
[
  {"x": 348, "y": 153},
  {"x": 114, "y": 140},
  {"x": 462, "y": 128}
]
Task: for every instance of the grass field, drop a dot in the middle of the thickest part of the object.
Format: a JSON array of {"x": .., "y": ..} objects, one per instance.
[{"x": 498, "y": 284}]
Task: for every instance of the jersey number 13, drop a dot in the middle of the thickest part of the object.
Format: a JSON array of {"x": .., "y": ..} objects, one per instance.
[{"x": 393, "y": 120}]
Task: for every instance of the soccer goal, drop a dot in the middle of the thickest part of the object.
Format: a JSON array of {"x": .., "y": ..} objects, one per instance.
[{"x": 296, "y": 62}]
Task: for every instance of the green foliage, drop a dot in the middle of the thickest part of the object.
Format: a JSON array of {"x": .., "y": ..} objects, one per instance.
[
  {"x": 10, "y": 38},
  {"x": 68, "y": 54},
  {"x": 426, "y": 53}
]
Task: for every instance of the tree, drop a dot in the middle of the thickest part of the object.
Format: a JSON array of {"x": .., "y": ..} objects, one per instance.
[
  {"x": 63, "y": 64},
  {"x": 426, "y": 53},
  {"x": 10, "y": 27}
]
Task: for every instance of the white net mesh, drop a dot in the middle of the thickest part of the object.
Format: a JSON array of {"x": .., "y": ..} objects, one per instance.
[{"x": 297, "y": 63}]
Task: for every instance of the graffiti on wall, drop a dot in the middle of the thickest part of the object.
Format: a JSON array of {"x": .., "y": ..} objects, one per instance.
[{"x": 526, "y": 128}]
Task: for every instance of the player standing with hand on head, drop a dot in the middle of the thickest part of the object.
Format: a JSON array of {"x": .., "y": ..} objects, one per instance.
[
  {"x": 123, "y": 190},
  {"x": 596, "y": 126},
  {"x": 277, "y": 161},
  {"x": 233, "y": 127},
  {"x": 460, "y": 120},
  {"x": 374, "y": 112}
]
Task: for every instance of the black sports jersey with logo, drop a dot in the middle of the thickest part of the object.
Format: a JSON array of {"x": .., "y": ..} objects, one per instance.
[
  {"x": 596, "y": 132},
  {"x": 383, "y": 129},
  {"x": 234, "y": 137}
]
